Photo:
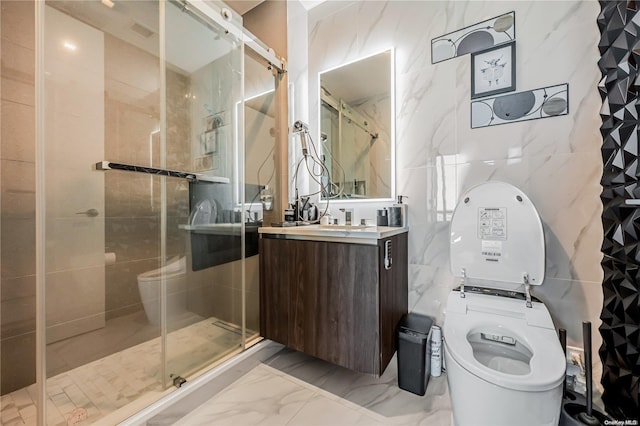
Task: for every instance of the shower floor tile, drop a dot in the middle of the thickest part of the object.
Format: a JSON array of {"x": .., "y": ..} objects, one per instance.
[{"x": 85, "y": 394}]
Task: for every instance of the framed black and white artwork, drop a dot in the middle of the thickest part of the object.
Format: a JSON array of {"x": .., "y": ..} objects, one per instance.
[{"x": 493, "y": 71}]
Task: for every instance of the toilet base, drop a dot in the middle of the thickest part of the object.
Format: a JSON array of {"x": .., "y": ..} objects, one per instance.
[
  {"x": 475, "y": 402},
  {"x": 176, "y": 306}
]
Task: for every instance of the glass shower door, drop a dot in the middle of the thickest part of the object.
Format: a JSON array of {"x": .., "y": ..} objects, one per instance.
[
  {"x": 144, "y": 268},
  {"x": 102, "y": 229},
  {"x": 203, "y": 73}
]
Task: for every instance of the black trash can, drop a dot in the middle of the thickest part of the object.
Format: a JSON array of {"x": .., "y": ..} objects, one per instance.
[{"x": 414, "y": 354}]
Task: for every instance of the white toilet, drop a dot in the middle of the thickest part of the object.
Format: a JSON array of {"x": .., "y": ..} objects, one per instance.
[
  {"x": 504, "y": 362},
  {"x": 149, "y": 284}
]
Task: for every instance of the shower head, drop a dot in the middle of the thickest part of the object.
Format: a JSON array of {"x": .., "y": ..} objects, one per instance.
[
  {"x": 303, "y": 142},
  {"x": 302, "y": 129}
]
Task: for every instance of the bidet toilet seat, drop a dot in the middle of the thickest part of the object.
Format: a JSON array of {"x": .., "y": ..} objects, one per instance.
[
  {"x": 501, "y": 318},
  {"x": 497, "y": 235},
  {"x": 505, "y": 365}
]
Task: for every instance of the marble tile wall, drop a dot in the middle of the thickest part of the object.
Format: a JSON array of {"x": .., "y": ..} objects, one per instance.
[
  {"x": 132, "y": 117},
  {"x": 555, "y": 161},
  {"x": 17, "y": 195}
]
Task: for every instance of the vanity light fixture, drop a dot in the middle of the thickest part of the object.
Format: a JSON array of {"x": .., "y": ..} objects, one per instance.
[{"x": 108, "y": 3}]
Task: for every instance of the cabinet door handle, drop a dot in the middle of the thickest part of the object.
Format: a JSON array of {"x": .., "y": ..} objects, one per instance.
[{"x": 387, "y": 255}]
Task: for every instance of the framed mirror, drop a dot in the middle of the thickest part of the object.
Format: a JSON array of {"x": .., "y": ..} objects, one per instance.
[{"x": 357, "y": 129}]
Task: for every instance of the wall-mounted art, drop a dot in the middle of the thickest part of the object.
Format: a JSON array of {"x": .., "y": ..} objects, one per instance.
[
  {"x": 480, "y": 36},
  {"x": 529, "y": 105},
  {"x": 493, "y": 71}
]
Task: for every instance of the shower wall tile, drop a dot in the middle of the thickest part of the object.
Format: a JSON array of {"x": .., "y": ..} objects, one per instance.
[
  {"x": 18, "y": 131},
  {"x": 133, "y": 201},
  {"x": 17, "y": 185},
  {"x": 73, "y": 189},
  {"x": 18, "y": 73},
  {"x": 131, "y": 65},
  {"x": 136, "y": 238},
  {"x": 128, "y": 136},
  {"x": 212, "y": 299},
  {"x": 18, "y": 308},
  {"x": 178, "y": 151},
  {"x": 217, "y": 291},
  {"x": 134, "y": 97},
  {"x": 17, "y": 195},
  {"x": 121, "y": 285},
  {"x": 133, "y": 238},
  {"x": 18, "y": 247},
  {"x": 130, "y": 194},
  {"x": 75, "y": 302},
  {"x": 18, "y": 360},
  {"x": 67, "y": 244},
  {"x": 18, "y": 23}
]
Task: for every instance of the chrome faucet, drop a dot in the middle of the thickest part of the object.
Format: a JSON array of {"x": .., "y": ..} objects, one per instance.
[{"x": 348, "y": 214}]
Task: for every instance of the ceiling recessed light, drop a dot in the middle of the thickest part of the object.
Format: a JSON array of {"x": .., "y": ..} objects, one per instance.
[
  {"x": 108, "y": 3},
  {"x": 69, "y": 46}
]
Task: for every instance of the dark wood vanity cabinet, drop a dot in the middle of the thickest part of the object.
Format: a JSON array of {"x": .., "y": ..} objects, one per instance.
[{"x": 333, "y": 300}]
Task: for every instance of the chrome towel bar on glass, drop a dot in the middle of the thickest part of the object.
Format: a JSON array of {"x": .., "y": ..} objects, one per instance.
[{"x": 194, "y": 177}]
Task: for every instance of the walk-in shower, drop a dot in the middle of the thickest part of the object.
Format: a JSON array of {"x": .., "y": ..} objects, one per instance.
[{"x": 128, "y": 229}]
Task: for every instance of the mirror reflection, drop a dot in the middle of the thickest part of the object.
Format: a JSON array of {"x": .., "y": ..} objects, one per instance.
[{"x": 356, "y": 129}]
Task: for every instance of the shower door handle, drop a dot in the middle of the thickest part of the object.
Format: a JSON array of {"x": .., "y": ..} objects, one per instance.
[{"x": 90, "y": 212}]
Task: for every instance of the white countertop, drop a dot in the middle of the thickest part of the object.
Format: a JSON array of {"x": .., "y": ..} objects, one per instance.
[{"x": 354, "y": 234}]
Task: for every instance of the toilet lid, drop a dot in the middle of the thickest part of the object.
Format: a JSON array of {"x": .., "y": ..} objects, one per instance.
[
  {"x": 514, "y": 327},
  {"x": 496, "y": 235}
]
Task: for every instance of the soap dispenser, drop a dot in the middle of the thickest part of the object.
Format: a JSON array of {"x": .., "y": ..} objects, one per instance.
[{"x": 398, "y": 213}]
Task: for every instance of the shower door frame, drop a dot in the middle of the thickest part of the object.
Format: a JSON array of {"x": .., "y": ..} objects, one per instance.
[{"x": 199, "y": 8}]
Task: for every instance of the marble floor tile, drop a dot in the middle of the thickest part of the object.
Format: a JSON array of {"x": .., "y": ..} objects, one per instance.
[
  {"x": 291, "y": 388},
  {"x": 320, "y": 411},
  {"x": 259, "y": 398}
]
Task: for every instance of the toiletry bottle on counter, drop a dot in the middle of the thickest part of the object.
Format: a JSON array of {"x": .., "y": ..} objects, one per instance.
[
  {"x": 382, "y": 219},
  {"x": 436, "y": 351},
  {"x": 398, "y": 213}
]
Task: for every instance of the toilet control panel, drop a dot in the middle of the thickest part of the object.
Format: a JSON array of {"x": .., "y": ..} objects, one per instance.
[{"x": 498, "y": 338}]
